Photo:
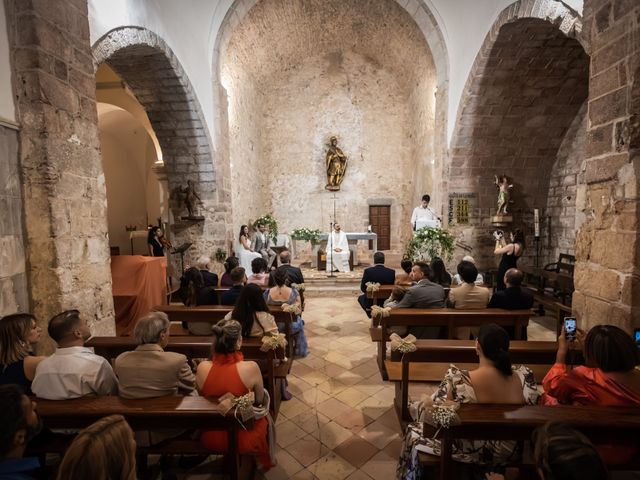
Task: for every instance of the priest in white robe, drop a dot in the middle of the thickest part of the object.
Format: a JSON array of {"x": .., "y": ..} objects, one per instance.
[{"x": 337, "y": 250}]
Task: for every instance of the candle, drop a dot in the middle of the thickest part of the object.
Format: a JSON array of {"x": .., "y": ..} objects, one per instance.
[{"x": 536, "y": 222}]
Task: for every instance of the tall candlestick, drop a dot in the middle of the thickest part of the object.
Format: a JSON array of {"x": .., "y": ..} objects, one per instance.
[{"x": 536, "y": 222}]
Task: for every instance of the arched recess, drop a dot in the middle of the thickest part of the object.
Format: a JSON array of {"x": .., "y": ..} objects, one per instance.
[
  {"x": 152, "y": 72},
  {"x": 427, "y": 24},
  {"x": 521, "y": 101}
]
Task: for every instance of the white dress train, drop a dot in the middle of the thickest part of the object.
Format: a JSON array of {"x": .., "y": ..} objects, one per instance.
[{"x": 245, "y": 257}]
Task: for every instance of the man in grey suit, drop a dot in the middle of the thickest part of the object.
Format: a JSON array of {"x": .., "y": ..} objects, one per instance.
[
  {"x": 425, "y": 294},
  {"x": 262, "y": 245}
]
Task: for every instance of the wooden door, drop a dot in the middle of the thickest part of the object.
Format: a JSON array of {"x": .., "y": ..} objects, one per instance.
[{"x": 380, "y": 221}]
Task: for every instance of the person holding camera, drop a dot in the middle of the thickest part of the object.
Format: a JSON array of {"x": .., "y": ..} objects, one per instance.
[{"x": 510, "y": 253}]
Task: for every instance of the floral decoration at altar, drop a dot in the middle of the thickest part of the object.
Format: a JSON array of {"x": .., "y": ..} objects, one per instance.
[
  {"x": 308, "y": 234},
  {"x": 270, "y": 222},
  {"x": 430, "y": 242}
]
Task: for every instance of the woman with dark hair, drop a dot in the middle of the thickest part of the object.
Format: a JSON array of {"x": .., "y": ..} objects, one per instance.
[
  {"x": 228, "y": 372},
  {"x": 510, "y": 253},
  {"x": 608, "y": 378},
  {"x": 253, "y": 313},
  {"x": 495, "y": 380},
  {"x": 404, "y": 278},
  {"x": 244, "y": 251},
  {"x": 18, "y": 334},
  {"x": 439, "y": 274},
  {"x": 280, "y": 294},
  {"x": 193, "y": 293},
  {"x": 259, "y": 274},
  {"x": 156, "y": 249},
  {"x": 229, "y": 264}
]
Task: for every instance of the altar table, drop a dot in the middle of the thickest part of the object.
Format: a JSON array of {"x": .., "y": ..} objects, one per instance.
[
  {"x": 139, "y": 284},
  {"x": 352, "y": 238}
]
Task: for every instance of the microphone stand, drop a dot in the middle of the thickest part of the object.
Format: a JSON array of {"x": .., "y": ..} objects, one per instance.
[{"x": 330, "y": 239}]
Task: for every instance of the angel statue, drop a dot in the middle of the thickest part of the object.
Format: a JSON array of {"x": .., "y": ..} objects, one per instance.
[
  {"x": 336, "y": 164},
  {"x": 502, "y": 182}
]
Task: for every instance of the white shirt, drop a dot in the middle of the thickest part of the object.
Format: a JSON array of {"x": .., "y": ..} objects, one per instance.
[
  {"x": 420, "y": 213},
  {"x": 74, "y": 372}
]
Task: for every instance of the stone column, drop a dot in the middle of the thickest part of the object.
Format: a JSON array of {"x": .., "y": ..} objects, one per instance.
[
  {"x": 67, "y": 249},
  {"x": 607, "y": 274}
]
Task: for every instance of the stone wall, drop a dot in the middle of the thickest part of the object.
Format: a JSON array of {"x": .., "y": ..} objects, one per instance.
[
  {"x": 13, "y": 277},
  {"x": 607, "y": 275},
  {"x": 63, "y": 185}
]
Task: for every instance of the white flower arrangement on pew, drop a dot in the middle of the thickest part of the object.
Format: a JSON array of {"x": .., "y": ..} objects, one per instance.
[
  {"x": 298, "y": 286},
  {"x": 373, "y": 287}
]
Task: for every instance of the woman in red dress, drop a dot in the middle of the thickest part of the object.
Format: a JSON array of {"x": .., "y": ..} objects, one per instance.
[
  {"x": 227, "y": 372},
  {"x": 609, "y": 378}
]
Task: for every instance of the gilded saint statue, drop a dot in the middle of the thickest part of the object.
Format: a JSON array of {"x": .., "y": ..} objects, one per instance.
[{"x": 336, "y": 163}]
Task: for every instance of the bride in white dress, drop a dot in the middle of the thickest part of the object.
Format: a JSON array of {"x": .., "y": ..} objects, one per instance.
[{"x": 245, "y": 254}]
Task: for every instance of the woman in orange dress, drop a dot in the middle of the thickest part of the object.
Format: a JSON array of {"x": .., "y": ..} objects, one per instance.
[
  {"x": 609, "y": 378},
  {"x": 227, "y": 372}
]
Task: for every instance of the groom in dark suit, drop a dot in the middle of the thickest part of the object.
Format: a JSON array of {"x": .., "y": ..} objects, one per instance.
[
  {"x": 378, "y": 273},
  {"x": 262, "y": 245}
]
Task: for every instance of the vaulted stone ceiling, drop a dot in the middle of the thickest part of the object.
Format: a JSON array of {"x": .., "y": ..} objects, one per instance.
[{"x": 276, "y": 36}]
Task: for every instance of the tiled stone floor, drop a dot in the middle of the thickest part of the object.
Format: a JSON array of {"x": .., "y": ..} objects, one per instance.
[{"x": 340, "y": 423}]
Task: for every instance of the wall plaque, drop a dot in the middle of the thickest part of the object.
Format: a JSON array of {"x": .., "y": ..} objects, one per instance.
[{"x": 462, "y": 206}]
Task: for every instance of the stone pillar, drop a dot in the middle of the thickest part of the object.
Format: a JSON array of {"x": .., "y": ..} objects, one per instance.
[
  {"x": 65, "y": 221},
  {"x": 607, "y": 275}
]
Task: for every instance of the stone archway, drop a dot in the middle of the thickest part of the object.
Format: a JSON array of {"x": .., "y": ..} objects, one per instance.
[
  {"x": 150, "y": 69},
  {"x": 525, "y": 89}
]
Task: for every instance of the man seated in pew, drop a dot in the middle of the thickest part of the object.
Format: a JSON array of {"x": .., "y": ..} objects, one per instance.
[
  {"x": 149, "y": 371},
  {"x": 239, "y": 279},
  {"x": 73, "y": 370},
  {"x": 424, "y": 294},
  {"x": 561, "y": 452},
  {"x": 404, "y": 278},
  {"x": 227, "y": 372},
  {"x": 210, "y": 278},
  {"x": 457, "y": 280},
  {"x": 495, "y": 380},
  {"x": 19, "y": 423},
  {"x": 514, "y": 297},
  {"x": 608, "y": 378},
  {"x": 378, "y": 274},
  {"x": 468, "y": 296}
]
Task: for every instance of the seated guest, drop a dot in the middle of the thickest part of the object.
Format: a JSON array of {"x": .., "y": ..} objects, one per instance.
[
  {"x": 19, "y": 423},
  {"x": 210, "y": 278},
  {"x": 281, "y": 294},
  {"x": 425, "y": 294},
  {"x": 253, "y": 313},
  {"x": 149, "y": 371},
  {"x": 514, "y": 297},
  {"x": 379, "y": 274},
  {"x": 259, "y": 274},
  {"x": 238, "y": 279},
  {"x": 193, "y": 290},
  {"x": 227, "y": 372},
  {"x": 229, "y": 264},
  {"x": 495, "y": 380},
  {"x": 294, "y": 274},
  {"x": 104, "y": 450},
  {"x": 456, "y": 280},
  {"x": 18, "y": 334},
  {"x": 397, "y": 294},
  {"x": 439, "y": 274},
  {"x": 73, "y": 370},
  {"x": 562, "y": 453},
  {"x": 404, "y": 278},
  {"x": 608, "y": 378},
  {"x": 468, "y": 296}
]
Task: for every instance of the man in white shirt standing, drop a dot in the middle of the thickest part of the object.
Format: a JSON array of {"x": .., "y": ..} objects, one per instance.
[
  {"x": 422, "y": 215},
  {"x": 73, "y": 370},
  {"x": 337, "y": 250}
]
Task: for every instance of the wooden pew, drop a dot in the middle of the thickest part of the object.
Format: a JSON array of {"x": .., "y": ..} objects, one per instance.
[
  {"x": 196, "y": 413},
  {"x": 444, "y": 317},
  {"x": 516, "y": 422},
  {"x": 214, "y": 313},
  {"x": 200, "y": 347},
  {"x": 430, "y": 362}
]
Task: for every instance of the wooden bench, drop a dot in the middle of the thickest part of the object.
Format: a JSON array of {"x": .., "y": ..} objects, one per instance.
[
  {"x": 551, "y": 283},
  {"x": 200, "y": 347},
  {"x": 448, "y": 318},
  {"x": 214, "y": 313},
  {"x": 430, "y": 362},
  {"x": 196, "y": 413},
  {"x": 516, "y": 422}
]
